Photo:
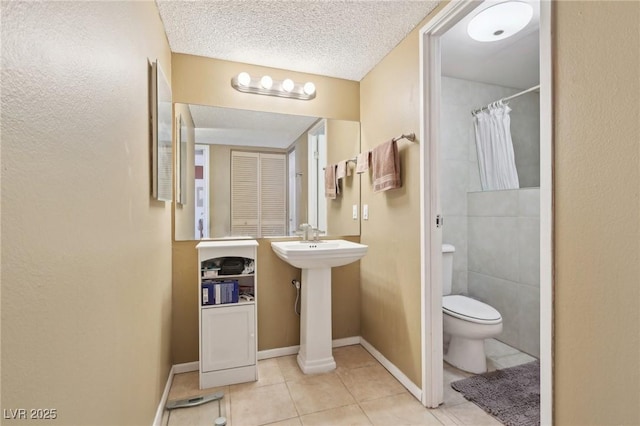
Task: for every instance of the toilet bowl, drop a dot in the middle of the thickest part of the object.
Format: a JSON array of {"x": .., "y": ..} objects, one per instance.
[{"x": 466, "y": 323}]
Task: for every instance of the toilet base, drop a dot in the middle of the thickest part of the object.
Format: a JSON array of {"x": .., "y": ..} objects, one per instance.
[{"x": 467, "y": 354}]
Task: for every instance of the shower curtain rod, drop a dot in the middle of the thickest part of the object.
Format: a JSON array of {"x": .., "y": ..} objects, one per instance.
[{"x": 508, "y": 98}]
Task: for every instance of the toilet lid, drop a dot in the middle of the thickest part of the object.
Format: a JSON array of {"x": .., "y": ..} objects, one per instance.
[{"x": 470, "y": 309}]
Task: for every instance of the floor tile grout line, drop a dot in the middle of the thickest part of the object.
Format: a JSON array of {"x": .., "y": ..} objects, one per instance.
[{"x": 448, "y": 414}]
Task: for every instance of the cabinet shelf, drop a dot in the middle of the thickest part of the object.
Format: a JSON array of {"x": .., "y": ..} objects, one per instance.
[
  {"x": 226, "y": 305},
  {"x": 219, "y": 277}
]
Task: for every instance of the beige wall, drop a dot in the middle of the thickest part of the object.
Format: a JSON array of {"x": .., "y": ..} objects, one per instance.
[
  {"x": 597, "y": 213},
  {"x": 206, "y": 81},
  {"x": 86, "y": 253},
  {"x": 184, "y": 219},
  {"x": 343, "y": 143},
  {"x": 390, "y": 272},
  {"x": 278, "y": 324}
]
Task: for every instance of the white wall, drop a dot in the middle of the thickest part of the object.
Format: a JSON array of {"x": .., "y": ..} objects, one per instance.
[
  {"x": 504, "y": 261},
  {"x": 489, "y": 232},
  {"x": 459, "y": 167},
  {"x": 525, "y": 134}
]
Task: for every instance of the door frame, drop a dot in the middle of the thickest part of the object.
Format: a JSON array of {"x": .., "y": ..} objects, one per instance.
[
  {"x": 317, "y": 160},
  {"x": 431, "y": 235}
]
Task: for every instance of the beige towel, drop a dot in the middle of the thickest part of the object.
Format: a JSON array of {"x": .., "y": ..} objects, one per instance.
[
  {"x": 363, "y": 162},
  {"x": 341, "y": 170},
  {"x": 385, "y": 162},
  {"x": 330, "y": 181}
]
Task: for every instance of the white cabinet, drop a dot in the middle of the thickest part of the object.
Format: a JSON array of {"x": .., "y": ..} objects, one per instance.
[
  {"x": 228, "y": 336},
  {"x": 227, "y": 312}
]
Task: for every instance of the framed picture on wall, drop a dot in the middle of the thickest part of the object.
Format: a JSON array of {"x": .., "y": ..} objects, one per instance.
[{"x": 161, "y": 143}]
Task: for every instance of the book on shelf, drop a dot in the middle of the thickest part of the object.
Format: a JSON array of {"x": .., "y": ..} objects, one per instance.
[{"x": 219, "y": 292}]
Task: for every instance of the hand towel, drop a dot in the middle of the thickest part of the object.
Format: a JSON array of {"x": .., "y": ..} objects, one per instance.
[
  {"x": 385, "y": 162},
  {"x": 362, "y": 162},
  {"x": 341, "y": 170},
  {"x": 330, "y": 181}
]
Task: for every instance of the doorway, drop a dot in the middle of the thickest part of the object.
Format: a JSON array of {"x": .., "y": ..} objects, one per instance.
[
  {"x": 294, "y": 188},
  {"x": 432, "y": 233},
  {"x": 317, "y": 151},
  {"x": 201, "y": 210}
]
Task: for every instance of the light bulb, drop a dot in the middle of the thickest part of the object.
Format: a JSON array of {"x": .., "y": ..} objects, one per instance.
[
  {"x": 244, "y": 79},
  {"x": 287, "y": 85},
  {"x": 266, "y": 82},
  {"x": 309, "y": 88}
]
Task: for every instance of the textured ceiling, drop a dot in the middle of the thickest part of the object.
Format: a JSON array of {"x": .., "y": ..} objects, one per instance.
[{"x": 336, "y": 38}]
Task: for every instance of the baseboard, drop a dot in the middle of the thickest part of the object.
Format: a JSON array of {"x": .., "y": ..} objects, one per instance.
[
  {"x": 293, "y": 350},
  {"x": 175, "y": 369},
  {"x": 157, "y": 421},
  {"x": 274, "y": 353},
  {"x": 395, "y": 371},
  {"x": 186, "y": 367},
  {"x": 345, "y": 341}
]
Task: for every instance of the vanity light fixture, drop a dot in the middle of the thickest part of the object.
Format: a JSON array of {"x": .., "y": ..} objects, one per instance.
[
  {"x": 500, "y": 21},
  {"x": 266, "y": 85}
]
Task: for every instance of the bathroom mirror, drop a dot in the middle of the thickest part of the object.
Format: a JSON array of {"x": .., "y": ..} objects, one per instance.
[{"x": 261, "y": 174}]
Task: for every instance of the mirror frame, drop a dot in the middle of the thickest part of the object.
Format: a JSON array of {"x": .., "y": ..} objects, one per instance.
[{"x": 162, "y": 138}]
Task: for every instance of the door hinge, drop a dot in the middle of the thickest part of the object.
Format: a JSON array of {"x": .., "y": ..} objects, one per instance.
[{"x": 439, "y": 221}]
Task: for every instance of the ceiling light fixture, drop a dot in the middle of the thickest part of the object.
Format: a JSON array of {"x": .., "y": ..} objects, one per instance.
[
  {"x": 265, "y": 85},
  {"x": 500, "y": 21}
]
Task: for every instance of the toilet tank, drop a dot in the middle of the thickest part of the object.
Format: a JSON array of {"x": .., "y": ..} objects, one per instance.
[{"x": 447, "y": 268}]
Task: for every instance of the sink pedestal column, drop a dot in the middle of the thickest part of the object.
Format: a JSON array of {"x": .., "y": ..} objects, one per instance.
[{"x": 315, "y": 354}]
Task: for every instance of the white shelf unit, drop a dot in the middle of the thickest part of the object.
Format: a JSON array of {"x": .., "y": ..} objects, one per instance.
[{"x": 228, "y": 332}]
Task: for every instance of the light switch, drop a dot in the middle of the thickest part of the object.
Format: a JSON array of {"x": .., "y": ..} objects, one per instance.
[
  {"x": 355, "y": 212},
  {"x": 365, "y": 211}
]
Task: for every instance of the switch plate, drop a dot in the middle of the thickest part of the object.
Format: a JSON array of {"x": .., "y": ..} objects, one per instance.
[
  {"x": 355, "y": 212},
  {"x": 365, "y": 212}
]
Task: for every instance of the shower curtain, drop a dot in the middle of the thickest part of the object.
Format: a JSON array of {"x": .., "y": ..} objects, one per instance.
[{"x": 495, "y": 148}]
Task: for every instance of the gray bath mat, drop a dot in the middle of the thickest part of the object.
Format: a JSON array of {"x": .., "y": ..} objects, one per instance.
[{"x": 512, "y": 395}]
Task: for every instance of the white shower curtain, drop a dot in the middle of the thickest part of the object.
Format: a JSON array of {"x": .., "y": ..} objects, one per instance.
[{"x": 495, "y": 148}]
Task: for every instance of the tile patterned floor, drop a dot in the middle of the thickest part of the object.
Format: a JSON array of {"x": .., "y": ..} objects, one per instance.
[{"x": 359, "y": 392}]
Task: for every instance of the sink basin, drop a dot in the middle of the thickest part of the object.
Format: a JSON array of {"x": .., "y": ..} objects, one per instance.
[{"x": 319, "y": 254}]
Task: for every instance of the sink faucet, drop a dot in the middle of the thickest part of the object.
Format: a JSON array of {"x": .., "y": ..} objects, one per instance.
[
  {"x": 316, "y": 233},
  {"x": 305, "y": 230},
  {"x": 309, "y": 233}
]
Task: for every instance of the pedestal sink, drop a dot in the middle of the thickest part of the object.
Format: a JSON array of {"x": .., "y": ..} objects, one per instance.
[{"x": 316, "y": 258}]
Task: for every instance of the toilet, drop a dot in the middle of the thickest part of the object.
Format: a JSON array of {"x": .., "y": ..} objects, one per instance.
[{"x": 466, "y": 323}]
